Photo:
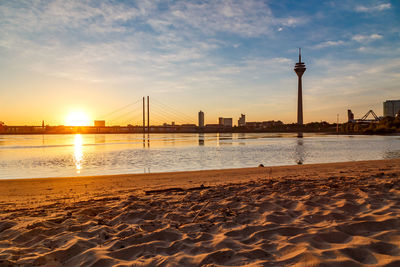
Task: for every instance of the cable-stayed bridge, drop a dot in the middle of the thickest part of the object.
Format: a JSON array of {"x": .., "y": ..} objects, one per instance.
[
  {"x": 141, "y": 116},
  {"x": 147, "y": 113}
]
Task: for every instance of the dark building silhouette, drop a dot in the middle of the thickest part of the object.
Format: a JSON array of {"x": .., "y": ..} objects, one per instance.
[
  {"x": 391, "y": 108},
  {"x": 350, "y": 116},
  {"x": 242, "y": 120},
  {"x": 300, "y": 68},
  {"x": 225, "y": 122},
  {"x": 201, "y": 119}
]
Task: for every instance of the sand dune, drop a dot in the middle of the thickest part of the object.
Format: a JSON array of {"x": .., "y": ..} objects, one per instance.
[{"x": 343, "y": 214}]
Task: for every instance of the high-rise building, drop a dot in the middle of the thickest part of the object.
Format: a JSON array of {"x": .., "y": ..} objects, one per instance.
[
  {"x": 201, "y": 119},
  {"x": 300, "y": 68},
  {"x": 391, "y": 108},
  {"x": 242, "y": 120},
  {"x": 350, "y": 116},
  {"x": 225, "y": 122}
]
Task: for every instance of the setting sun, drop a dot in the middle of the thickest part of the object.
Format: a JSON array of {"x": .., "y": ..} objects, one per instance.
[{"x": 77, "y": 118}]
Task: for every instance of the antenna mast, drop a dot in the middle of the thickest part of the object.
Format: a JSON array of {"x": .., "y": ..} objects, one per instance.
[{"x": 299, "y": 54}]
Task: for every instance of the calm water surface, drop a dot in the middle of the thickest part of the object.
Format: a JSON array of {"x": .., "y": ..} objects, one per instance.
[{"x": 29, "y": 156}]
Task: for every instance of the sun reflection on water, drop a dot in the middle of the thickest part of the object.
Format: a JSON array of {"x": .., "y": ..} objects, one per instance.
[{"x": 78, "y": 154}]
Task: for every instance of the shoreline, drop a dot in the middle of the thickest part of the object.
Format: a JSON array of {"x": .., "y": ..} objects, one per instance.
[
  {"x": 241, "y": 170},
  {"x": 49, "y": 189},
  {"x": 345, "y": 213},
  {"x": 164, "y": 173}
]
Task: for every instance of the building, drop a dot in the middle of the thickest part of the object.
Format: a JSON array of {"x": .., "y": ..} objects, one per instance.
[
  {"x": 271, "y": 124},
  {"x": 391, "y": 108},
  {"x": 253, "y": 124},
  {"x": 264, "y": 124},
  {"x": 201, "y": 119},
  {"x": 242, "y": 120},
  {"x": 225, "y": 122},
  {"x": 300, "y": 68},
  {"x": 350, "y": 116},
  {"x": 188, "y": 128},
  {"x": 99, "y": 123}
]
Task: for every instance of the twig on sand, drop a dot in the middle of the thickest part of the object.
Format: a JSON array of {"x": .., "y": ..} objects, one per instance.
[
  {"x": 176, "y": 189},
  {"x": 198, "y": 213}
]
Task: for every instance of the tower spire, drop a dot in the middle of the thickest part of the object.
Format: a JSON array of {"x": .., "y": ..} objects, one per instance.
[
  {"x": 300, "y": 68},
  {"x": 299, "y": 54}
]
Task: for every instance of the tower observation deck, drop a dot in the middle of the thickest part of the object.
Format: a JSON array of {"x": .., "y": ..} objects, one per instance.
[{"x": 300, "y": 68}]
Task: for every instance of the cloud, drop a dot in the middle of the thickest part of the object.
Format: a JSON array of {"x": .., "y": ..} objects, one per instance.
[
  {"x": 375, "y": 8},
  {"x": 384, "y": 51},
  {"x": 250, "y": 18},
  {"x": 362, "y": 49},
  {"x": 358, "y": 37},
  {"x": 366, "y": 38},
  {"x": 291, "y": 21},
  {"x": 60, "y": 16},
  {"x": 353, "y": 78},
  {"x": 329, "y": 43},
  {"x": 216, "y": 47},
  {"x": 352, "y": 85},
  {"x": 80, "y": 40},
  {"x": 243, "y": 18}
]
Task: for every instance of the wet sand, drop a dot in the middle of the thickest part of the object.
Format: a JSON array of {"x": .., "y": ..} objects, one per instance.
[{"x": 337, "y": 214}]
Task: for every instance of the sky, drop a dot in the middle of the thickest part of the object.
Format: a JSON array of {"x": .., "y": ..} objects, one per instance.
[{"x": 222, "y": 57}]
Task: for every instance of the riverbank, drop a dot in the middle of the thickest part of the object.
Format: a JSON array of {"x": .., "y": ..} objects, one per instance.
[{"x": 337, "y": 213}]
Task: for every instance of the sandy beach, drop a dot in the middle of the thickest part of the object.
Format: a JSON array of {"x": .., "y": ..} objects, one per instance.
[{"x": 337, "y": 214}]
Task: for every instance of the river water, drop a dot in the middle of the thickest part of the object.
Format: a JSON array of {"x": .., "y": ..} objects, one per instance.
[{"x": 32, "y": 156}]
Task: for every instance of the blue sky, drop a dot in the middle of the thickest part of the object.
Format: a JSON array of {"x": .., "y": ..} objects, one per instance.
[{"x": 222, "y": 57}]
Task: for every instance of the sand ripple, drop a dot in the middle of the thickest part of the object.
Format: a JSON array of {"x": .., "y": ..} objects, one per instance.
[{"x": 330, "y": 221}]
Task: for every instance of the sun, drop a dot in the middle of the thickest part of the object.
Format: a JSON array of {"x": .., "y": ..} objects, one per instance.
[{"x": 77, "y": 118}]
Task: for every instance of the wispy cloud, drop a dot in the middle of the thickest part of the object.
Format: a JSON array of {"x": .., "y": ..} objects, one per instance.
[
  {"x": 366, "y": 38},
  {"x": 381, "y": 51},
  {"x": 231, "y": 49},
  {"x": 329, "y": 43},
  {"x": 59, "y": 16},
  {"x": 81, "y": 39},
  {"x": 244, "y": 18},
  {"x": 354, "y": 78},
  {"x": 379, "y": 7},
  {"x": 358, "y": 38},
  {"x": 353, "y": 85}
]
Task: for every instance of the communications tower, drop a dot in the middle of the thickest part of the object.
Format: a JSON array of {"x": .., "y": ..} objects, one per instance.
[{"x": 300, "y": 68}]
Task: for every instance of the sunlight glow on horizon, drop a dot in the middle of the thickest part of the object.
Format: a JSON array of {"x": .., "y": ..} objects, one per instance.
[{"x": 77, "y": 118}]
